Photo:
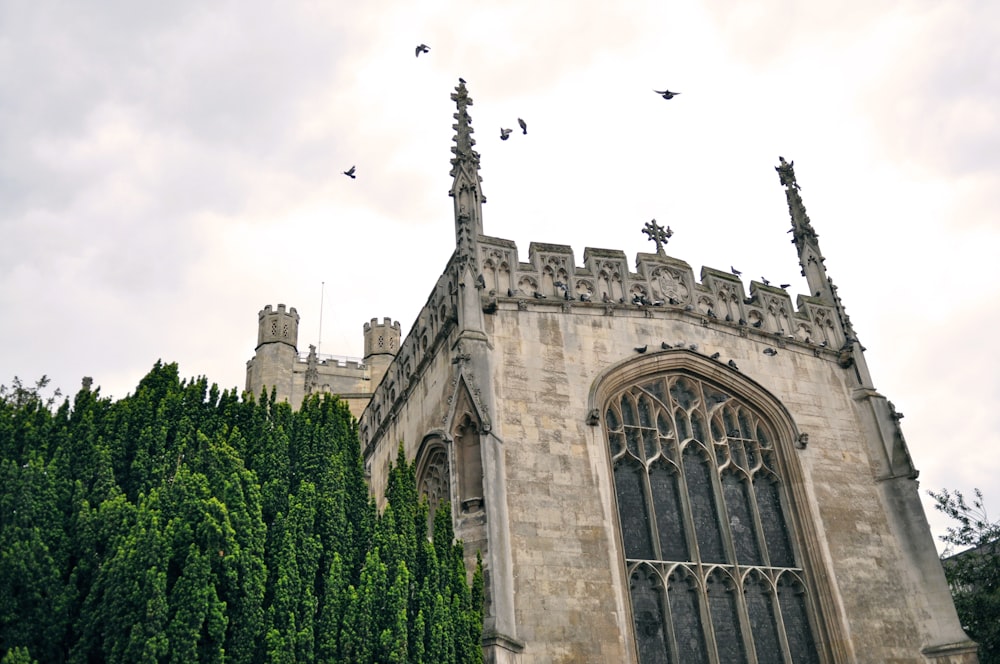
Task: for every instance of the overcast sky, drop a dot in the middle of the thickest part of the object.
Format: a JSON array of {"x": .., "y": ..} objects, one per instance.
[{"x": 167, "y": 169}]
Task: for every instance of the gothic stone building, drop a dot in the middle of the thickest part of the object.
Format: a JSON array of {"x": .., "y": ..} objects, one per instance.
[{"x": 655, "y": 468}]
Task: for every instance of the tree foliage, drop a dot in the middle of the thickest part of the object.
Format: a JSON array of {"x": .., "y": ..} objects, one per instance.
[
  {"x": 974, "y": 571},
  {"x": 185, "y": 524}
]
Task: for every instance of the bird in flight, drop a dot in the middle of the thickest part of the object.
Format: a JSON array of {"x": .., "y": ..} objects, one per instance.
[
  {"x": 422, "y": 48},
  {"x": 350, "y": 173},
  {"x": 504, "y": 134},
  {"x": 666, "y": 94},
  {"x": 523, "y": 125}
]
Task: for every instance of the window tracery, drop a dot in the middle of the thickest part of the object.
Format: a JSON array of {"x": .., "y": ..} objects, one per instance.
[{"x": 708, "y": 546}]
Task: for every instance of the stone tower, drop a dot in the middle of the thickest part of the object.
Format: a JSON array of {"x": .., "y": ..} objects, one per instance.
[
  {"x": 277, "y": 364},
  {"x": 657, "y": 467},
  {"x": 381, "y": 345},
  {"x": 276, "y": 352}
]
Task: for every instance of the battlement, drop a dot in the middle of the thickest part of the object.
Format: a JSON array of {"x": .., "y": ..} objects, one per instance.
[
  {"x": 386, "y": 322},
  {"x": 550, "y": 277},
  {"x": 267, "y": 310},
  {"x": 278, "y": 325},
  {"x": 382, "y": 338}
]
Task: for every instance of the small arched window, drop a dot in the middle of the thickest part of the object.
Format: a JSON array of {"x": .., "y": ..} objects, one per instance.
[{"x": 713, "y": 573}]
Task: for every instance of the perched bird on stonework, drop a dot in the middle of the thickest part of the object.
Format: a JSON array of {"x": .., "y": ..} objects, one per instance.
[
  {"x": 714, "y": 356},
  {"x": 665, "y": 346},
  {"x": 505, "y": 133},
  {"x": 605, "y": 297},
  {"x": 765, "y": 281},
  {"x": 734, "y": 271},
  {"x": 523, "y": 125},
  {"x": 732, "y": 365},
  {"x": 666, "y": 94},
  {"x": 481, "y": 281},
  {"x": 422, "y": 48},
  {"x": 350, "y": 173},
  {"x": 693, "y": 346},
  {"x": 758, "y": 323},
  {"x": 641, "y": 349},
  {"x": 538, "y": 296},
  {"x": 585, "y": 297},
  {"x": 770, "y": 351}
]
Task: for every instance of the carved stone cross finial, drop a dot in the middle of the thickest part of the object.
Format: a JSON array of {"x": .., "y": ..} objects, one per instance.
[{"x": 658, "y": 234}]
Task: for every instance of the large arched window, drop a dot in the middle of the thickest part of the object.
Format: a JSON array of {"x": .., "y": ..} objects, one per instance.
[{"x": 710, "y": 554}]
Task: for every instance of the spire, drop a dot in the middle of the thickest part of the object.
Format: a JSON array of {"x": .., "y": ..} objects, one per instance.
[
  {"x": 811, "y": 260},
  {"x": 465, "y": 189}
]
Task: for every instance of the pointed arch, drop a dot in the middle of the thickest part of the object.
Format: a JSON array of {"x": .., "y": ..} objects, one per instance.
[{"x": 708, "y": 485}]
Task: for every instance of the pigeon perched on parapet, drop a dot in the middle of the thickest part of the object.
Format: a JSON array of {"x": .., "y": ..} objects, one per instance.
[
  {"x": 666, "y": 94},
  {"x": 505, "y": 133},
  {"x": 770, "y": 351},
  {"x": 665, "y": 346},
  {"x": 422, "y": 48},
  {"x": 585, "y": 297},
  {"x": 734, "y": 271},
  {"x": 641, "y": 349},
  {"x": 524, "y": 125},
  {"x": 732, "y": 365},
  {"x": 764, "y": 281},
  {"x": 350, "y": 173}
]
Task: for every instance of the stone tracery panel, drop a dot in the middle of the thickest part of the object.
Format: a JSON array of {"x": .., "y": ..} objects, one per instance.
[{"x": 702, "y": 513}]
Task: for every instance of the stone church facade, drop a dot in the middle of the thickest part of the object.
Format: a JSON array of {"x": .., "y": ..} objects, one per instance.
[{"x": 655, "y": 468}]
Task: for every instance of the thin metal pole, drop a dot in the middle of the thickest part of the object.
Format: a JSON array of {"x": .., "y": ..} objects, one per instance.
[{"x": 319, "y": 343}]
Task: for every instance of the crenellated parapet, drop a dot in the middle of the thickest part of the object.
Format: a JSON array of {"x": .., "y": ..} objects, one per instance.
[{"x": 660, "y": 283}]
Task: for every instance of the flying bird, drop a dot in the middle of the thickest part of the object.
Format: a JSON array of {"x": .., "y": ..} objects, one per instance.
[
  {"x": 666, "y": 94},
  {"x": 524, "y": 125},
  {"x": 350, "y": 173},
  {"x": 422, "y": 48},
  {"x": 785, "y": 285},
  {"x": 505, "y": 133}
]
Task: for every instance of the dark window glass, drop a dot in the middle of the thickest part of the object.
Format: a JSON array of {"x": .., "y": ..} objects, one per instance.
[
  {"x": 725, "y": 620},
  {"x": 698, "y": 427},
  {"x": 628, "y": 411},
  {"x": 740, "y": 521},
  {"x": 647, "y": 612},
  {"x": 669, "y": 525},
  {"x": 772, "y": 520},
  {"x": 703, "y": 511},
  {"x": 683, "y": 393},
  {"x": 683, "y": 431},
  {"x": 632, "y": 510},
  {"x": 645, "y": 413},
  {"x": 760, "y": 610},
  {"x": 686, "y": 620},
  {"x": 792, "y": 601}
]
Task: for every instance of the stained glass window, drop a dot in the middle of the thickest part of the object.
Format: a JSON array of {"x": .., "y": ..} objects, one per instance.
[{"x": 713, "y": 573}]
